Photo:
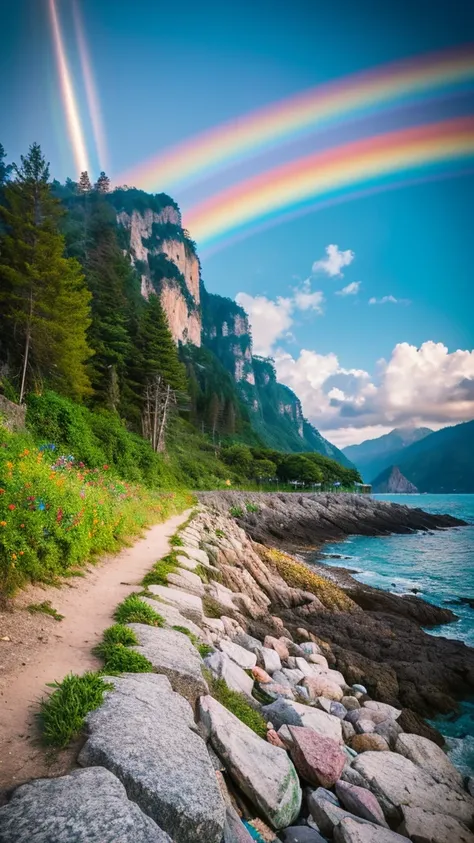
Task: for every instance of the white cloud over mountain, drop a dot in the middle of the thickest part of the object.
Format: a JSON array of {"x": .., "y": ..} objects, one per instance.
[
  {"x": 334, "y": 261},
  {"x": 421, "y": 386}
]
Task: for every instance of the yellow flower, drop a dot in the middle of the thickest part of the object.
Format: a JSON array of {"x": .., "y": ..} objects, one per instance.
[
  {"x": 13, "y": 555},
  {"x": 9, "y": 464},
  {"x": 3, "y": 523}
]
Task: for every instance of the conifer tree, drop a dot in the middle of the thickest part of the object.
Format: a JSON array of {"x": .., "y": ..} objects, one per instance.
[
  {"x": 5, "y": 169},
  {"x": 102, "y": 184},
  {"x": 84, "y": 183},
  {"x": 44, "y": 302},
  {"x": 157, "y": 352}
]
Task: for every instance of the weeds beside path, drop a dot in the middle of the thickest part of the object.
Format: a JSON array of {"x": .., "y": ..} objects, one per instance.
[{"x": 44, "y": 650}]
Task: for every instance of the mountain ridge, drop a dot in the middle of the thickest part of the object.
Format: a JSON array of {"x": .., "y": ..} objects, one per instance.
[{"x": 373, "y": 456}]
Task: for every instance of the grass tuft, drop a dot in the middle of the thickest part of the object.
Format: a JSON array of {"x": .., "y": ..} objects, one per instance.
[
  {"x": 120, "y": 659},
  {"x": 252, "y": 507},
  {"x": 46, "y": 609},
  {"x": 236, "y": 703},
  {"x": 205, "y": 650},
  {"x": 160, "y": 571},
  {"x": 62, "y": 714},
  {"x": 192, "y": 637},
  {"x": 176, "y": 541},
  {"x": 134, "y": 610},
  {"x": 120, "y": 634},
  {"x": 220, "y": 533},
  {"x": 212, "y": 609},
  {"x": 236, "y": 511}
]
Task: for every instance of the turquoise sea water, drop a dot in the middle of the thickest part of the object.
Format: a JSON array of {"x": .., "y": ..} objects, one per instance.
[{"x": 440, "y": 565}]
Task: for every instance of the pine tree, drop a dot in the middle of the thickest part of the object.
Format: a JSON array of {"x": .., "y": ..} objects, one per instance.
[
  {"x": 5, "y": 169},
  {"x": 44, "y": 303},
  {"x": 157, "y": 353},
  {"x": 84, "y": 184},
  {"x": 102, "y": 184}
]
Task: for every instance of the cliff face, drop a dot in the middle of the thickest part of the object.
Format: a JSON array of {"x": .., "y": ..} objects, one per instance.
[
  {"x": 164, "y": 256},
  {"x": 393, "y": 482}
]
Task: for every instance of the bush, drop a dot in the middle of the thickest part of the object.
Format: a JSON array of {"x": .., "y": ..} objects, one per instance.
[
  {"x": 134, "y": 610},
  {"x": 119, "y": 634},
  {"x": 237, "y": 704},
  {"x": 55, "y": 513},
  {"x": 62, "y": 713}
]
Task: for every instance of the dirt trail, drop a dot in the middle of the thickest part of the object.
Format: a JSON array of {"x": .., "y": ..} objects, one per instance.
[{"x": 41, "y": 650}]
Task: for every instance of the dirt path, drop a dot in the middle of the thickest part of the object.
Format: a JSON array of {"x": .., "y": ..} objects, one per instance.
[{"x": 39, "y": 650}]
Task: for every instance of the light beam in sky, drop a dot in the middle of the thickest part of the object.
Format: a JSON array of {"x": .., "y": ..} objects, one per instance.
[
  {"x": 71, "y": 109},
  {"x": 91, "y": 89}
]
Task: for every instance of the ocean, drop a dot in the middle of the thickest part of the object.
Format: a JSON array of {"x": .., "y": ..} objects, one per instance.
[{"x": 440, "y": 566}]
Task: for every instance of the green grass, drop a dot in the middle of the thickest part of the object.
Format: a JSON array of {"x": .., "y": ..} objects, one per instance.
[
  {"x": 251, "y": 507},
  {"x": 236, "y": 703},
  {"x": 220, "y": 533},
  {"x": 120, "y": 634},
  {"x": 236, "y": 511},
  {"x": 206, "y": 574},
  {"x": 212, "y": 609},
  {"x": 134, "y": 610},
  {"x": 120, "y": 659},
  {"x": 62, "y": 714},
  {"x": 192, "y": 637},
  {"x": 205, "y": 650},
  {"x": 176, "y": 541},
  {"x": 46, "y": 609},
  {"x": 160, "y": 571}
]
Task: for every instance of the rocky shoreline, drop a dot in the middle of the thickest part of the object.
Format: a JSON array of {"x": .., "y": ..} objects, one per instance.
[{"x": 302, "y": 723}]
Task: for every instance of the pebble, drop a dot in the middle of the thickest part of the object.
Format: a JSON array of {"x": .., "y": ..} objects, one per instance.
[{"x": 360, "y": 689}]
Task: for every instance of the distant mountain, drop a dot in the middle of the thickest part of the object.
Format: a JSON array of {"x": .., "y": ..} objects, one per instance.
[
  {"x": 375, "y": 455},
  {"x": 392, "y": 481},
  {"x": 443, "y": 461}
]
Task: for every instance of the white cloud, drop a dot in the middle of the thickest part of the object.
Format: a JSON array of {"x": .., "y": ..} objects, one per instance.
[
  {"x": 334, "y": 262},
  {"x": 269, "y": 319},
  {"x": 304, "y": 299},
  {"x": 418, "y": 386},
  {"x": 351, "y": 289},
  {"x": 388, "y": 300}
]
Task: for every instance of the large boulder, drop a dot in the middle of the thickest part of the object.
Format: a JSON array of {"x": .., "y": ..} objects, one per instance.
[
  {"x": 369, "y": 743},
  {"x": 326, "y": 814},
  {"x": 389, "y": 711},
  {"x": 194, "y": 553},
  {"x": 238, "y": 654},
  {"x": 87, "y": 806},
  {"x": 186, "y": 580},
  {"x": 291, "y": 713},
  {"x": 301, "y": 834},
  {"x": 172, "y": 653},
  {"x": 234, "y": 830},
  {"x": 397, "y": 782},
  {"x": 321, "y": 686},
  {"x": 173, "y": 617},
  {"x": 269, "y": 660},
  {"x": 429, "y": 757},
  {"x": 190, "y": 605},
  {"x": 145, "y": 734},
  {"x": 224, "y": 668},
  {"x": 361, "y": 802},
  {"x": 320, "y": 761},
  {"x": 426, "y": 827},
  {"x": 350, "y": 831},
  {"x": 262, "y": 771}
]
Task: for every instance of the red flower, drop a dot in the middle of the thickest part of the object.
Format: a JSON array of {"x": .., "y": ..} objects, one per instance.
[
  {"x": 11, "y": 506},
  {"x": 105, "y": 467},
  {"x": 2, "y": 491},
  {"x": 59, "y": 515}
]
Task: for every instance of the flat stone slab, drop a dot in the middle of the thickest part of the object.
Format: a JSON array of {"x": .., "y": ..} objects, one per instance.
[
  {"x": 263, "y": 772},
  {"x": 426, "y": 827},
  {"x": 224, "y": 668},
  {"x": 185, "y": 562},
  {"x": 145, "y": 734},
  {"x": 190, "y": 605},
  {"x": 187, "y": 581},
  {"x": 318, "y": 760},
  {"x": 240, "y": 655},
  {"x": 430, "y": 757},
  {"x": 397, "y": 782},
  {"x": 291, "y": 713},
  {"x": 350, "y": 831},
  {"x": 195, "y": 553},
  {"x": 173, "y": 616},
  {"x": 87, "y": 806},
  {"x": 173, "y": 654}
]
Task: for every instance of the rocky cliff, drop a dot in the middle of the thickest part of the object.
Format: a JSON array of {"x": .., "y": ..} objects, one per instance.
[
  {"x": 166, "y": 259},
  {"x": 392, "y": 481}
]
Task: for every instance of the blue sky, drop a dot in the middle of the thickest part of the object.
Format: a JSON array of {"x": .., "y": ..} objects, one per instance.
[{"x": 164, "y": 74}]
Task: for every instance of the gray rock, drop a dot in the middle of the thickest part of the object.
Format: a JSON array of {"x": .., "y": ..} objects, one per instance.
[
  {"x": 293, "y": 676},
  {"x": 324, "y": 704},
  {"x": 245, "y": 659},
  {"x": 262, "y": 771},
  {"x": 389, "y": 730},
  {"x": 87, "y": 806},
  {"x": 353, "y": 777},
  {"x": 364, "y": 727},
  {"x": 145, "y": 734},
  {"x": 426, "y": 827},
  {"x": 327, "y": 815},
  {"x": 224, "y": 668},
  {"x": 361, "y": 802},
  {"x": 338, "y": 710},
  {"x": 360, "y": 689},
  {"x": 305, "y": 668},
  {"x": 297, "y": 714},
  {"x": 430, "y": 757},
  {"x": 173, "y": 654},
  {"x": 301, "y": 834},
  {"x": 470, "y": 785},
  {"x": 276, "y": 691},
  {"x": 396, "y": 781},
  {"x": 190, "y": 605},
  {"x": 348, "y": 730},
  {"x": 253, "y": 645},
  {"x": 173, "y": 616},
  {"x": 194, "y": 553},
  {"x": 269, "y": 660},
  {"x": 281, "y": 679},
  {"x": 310, "y": 648},
  {"x": 301, "y": 693},
  {"x": 323, "y": 793},
  {"x": 383, "y": 708},
  {"x": 350, "y": 831},
  {"x": 351, "y": 703},
  {"x": 186, "y": 580}
]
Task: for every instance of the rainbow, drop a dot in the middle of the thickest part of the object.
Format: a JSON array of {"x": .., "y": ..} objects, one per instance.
[
  {"x": 324, "y": 174},
  {"x": 214, "y": 149},
  {"x": 92, "y": 95}
]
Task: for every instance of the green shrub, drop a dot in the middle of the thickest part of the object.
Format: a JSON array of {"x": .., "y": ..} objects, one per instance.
[
  {"x": 134, "y": 610},
  {"x": 205, "y": 650},
  {"x": 120, "y": 659},
  {"x": 176, "y": 541},
  {"x": 159, "y": 573},
  {"x": 237, "y": 704},
  {"x": 236, "y": 511},
  {"x": 251, "y": 507},
  {"x": 62, "y": 713},
  {"x": 119, "y": 634},
  {"x": 192, "y": 637},
  {"x": 46, "y": 609}
]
